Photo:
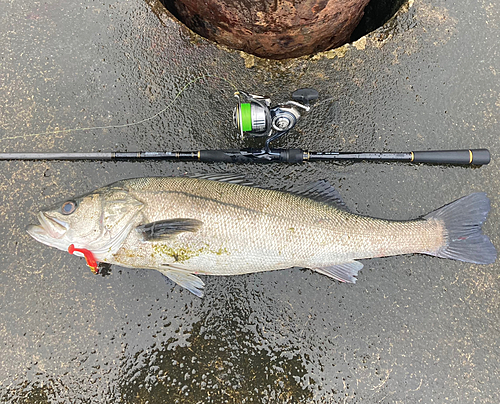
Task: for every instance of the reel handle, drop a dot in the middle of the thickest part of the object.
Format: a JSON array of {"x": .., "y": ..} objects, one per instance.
[
  {"x": 466, "y": 157},
  {"x": 305, "y": 95}
]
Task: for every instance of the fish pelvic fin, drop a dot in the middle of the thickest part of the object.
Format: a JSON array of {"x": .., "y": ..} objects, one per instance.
[
  {"x": 462, "y": 221},
  {"x": 185, "y": 279},
  {"x": 344, "y": 272}
]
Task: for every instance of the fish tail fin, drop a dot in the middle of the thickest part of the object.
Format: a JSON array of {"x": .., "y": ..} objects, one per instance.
[{"x": 462, "y": 221}]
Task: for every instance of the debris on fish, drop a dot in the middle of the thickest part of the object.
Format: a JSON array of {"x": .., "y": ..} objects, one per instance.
[{"x": 221, "y": 225}]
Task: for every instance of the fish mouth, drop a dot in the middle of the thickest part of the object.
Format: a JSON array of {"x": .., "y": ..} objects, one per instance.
[{"x": 49, "y": 231}]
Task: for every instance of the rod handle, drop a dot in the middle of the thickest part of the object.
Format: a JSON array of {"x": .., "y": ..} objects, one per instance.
[
  {"x": 471, "y": 156},
  {"x": 219, "y": 156}
]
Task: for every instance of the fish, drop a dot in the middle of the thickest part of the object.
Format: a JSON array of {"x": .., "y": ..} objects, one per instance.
[{"x": 222, "y": 224}]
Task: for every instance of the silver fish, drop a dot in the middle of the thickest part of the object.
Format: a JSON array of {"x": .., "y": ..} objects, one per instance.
[{"x": 219, "y": 225}]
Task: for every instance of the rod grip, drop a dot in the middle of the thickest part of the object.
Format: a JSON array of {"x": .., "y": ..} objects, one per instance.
[
  {"x": 220, "y": 156},
  {"x": 472, "y": 156}
]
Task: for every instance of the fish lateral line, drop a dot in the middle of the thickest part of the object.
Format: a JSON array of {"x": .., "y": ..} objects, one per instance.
[{"x": 89, "y": 257}]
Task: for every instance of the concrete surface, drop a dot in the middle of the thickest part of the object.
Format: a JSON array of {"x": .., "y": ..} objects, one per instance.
[{"x": 414, "y": 329}]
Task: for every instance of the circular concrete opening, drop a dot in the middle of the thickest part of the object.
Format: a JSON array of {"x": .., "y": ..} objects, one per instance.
[
  {"x": 376, "y": 14},
  {"x": 278, "y": 29}
]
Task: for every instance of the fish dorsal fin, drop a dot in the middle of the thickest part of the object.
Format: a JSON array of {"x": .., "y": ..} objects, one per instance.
[
  {"x": 225, "y": 177},
  {"x": 165, "y": 228},
  {"x": 321, "y": 191}
]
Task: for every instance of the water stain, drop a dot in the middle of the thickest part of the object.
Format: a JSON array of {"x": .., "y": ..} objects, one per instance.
[
  {"x": 220, "y": 366},
  {"x": 219, "y": 363},
  {"x": 29, "y": 393}
]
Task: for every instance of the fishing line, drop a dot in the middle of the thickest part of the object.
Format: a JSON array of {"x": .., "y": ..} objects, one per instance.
[
  {"x": 126, "y": 125},
  {"x": 254, "y": 116}
]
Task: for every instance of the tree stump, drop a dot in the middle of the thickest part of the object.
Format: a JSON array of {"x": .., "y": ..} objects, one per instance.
[{"x": 274, "y": 29}]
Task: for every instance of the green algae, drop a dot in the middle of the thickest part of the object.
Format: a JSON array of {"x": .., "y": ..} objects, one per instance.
[{"x": 184, "y": 253}]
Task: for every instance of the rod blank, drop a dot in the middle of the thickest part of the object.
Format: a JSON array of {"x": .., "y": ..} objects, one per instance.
[{"x": 56, "y": 156}]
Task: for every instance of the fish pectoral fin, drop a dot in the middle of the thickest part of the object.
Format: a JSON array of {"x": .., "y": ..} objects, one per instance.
[
  {"x": 165, "y": 228},
  {"x": 185, "y": 279},
  {"x": 344, "y": 272}
]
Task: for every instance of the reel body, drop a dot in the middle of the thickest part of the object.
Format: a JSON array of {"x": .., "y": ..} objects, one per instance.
[{"x": 254, "y": 116}]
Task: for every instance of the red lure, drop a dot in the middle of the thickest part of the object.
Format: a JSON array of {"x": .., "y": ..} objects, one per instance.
[{"x": 89, "y": 257}]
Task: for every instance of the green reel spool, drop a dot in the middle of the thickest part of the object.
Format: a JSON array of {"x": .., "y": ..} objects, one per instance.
[{"x": 246, "y": 117}]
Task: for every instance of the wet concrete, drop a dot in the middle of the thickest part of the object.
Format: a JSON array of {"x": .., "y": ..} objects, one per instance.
[{"x": 413, "y": 329}]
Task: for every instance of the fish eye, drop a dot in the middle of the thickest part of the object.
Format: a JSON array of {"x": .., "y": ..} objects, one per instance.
[{"x": 68, "y": 207}]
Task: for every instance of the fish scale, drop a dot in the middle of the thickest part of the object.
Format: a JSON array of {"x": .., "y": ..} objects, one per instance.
[{"x": 183, "y": 226}]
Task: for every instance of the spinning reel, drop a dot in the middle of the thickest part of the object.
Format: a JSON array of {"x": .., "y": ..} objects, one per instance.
[{"x": 254, "y": 115}]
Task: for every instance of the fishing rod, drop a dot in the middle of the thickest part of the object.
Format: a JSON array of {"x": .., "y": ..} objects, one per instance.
[
  {"x": 253, "y": 116},
  {"x": 293, "y": 156}
]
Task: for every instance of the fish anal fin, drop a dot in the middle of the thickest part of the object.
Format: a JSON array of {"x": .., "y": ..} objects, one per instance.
[
  {"x": 185, "y": 279},
  {"x": 165, "y": 228},
  {"x": 344, "y": 272}
]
